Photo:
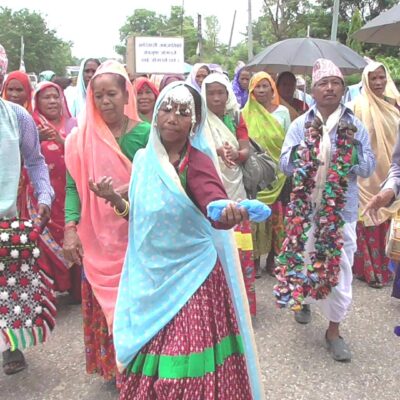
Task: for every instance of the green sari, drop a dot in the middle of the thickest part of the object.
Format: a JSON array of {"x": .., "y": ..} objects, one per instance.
[{"x": 269, "y": 134}]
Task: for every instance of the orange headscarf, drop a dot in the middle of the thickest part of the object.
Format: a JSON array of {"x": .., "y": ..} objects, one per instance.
[
  {"x": 140, "y": 82},
  {"x": 255, "y": 80},
  {"x": 22, "y": 78},
  {"x": 92, "y": 152}
]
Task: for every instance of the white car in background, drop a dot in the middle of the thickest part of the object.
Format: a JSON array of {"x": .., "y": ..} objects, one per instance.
[{"x": 33, "y": 78}]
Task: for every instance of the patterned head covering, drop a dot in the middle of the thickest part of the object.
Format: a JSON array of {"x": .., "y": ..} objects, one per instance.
[
  {"x": 323, "y": 68},
  {"x": 37, "y": 113},
  {"x": 241, "y": 94},
  {"x": 170, "y": 78},
  {"x": 3, "y": 61}
]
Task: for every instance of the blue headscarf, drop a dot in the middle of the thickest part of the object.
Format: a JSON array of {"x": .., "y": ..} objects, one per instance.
[
  {"x": 241, "y": 94},
  {"x": 46, "y": 76},
  {"x": 191, "y": 78},
  {"x": 172, "y": 250},
  {"x": 80, "y": 100}
]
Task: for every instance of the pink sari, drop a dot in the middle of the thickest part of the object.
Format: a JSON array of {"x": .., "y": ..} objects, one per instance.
[{"x": 93, "y": 152}]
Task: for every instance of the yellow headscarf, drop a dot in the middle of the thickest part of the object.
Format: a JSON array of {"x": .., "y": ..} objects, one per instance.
[{"x": 381, "y": 119}]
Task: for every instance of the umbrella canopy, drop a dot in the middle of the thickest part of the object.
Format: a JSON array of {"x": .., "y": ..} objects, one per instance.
[
  {"x": 298, "y": 55},
  {"x": 384, "y": 29}
]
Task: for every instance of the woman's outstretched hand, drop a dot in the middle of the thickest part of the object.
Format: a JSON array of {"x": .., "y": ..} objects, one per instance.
[
  {"x": 233, "y": 215},
  {"x": 104, "y": 188},
  {"x": 382, "y": 199}
]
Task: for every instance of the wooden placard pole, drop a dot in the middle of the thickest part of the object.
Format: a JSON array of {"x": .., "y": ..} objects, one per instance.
[{"x": 130, "y": 55}]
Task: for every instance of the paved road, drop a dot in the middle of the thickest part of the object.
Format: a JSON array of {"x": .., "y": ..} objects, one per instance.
[{"x": 294, "y": 361}]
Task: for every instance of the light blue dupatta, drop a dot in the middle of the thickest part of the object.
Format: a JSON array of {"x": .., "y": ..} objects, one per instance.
[
  {"x": 172, "y": 250},
  {"x": 10, "y": 161},
  {"x": 80, "y": 100}
]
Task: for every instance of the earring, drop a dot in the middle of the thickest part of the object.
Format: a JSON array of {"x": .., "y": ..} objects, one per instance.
[{"x": 192, "y": 132}]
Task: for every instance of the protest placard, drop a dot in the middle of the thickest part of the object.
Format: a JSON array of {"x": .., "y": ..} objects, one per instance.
[{"x": 155, "y": 55}]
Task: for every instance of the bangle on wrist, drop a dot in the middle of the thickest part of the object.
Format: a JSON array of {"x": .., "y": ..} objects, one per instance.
[{"x": 122, "y": 213}]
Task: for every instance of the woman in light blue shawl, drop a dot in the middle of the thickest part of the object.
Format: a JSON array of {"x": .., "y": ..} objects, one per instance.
[
  {"x": 86, "y": 71},
  {"x": 182, "y": 323},
  {"x": 197, "y": 75}
]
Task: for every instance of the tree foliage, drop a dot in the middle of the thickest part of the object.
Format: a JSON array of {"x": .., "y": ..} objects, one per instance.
[
  {"x": 368, "y": 8},
  {"x": 355, "y": 24},
  {"x": 393, "y": 65},
  {"x": 212, "y": 30},
  {"x": 147, "y": 23},
  {"x": 283, "y": 19},
  {"x": 280, "y": 19},
  {"x": 43, "y": 49}
]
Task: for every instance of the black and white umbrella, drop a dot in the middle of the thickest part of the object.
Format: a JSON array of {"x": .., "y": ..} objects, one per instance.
[
  {"x": 298, "y": 55},
  {"x": 383, "y": 29}
]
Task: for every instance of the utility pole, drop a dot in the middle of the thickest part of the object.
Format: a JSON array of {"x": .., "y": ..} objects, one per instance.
[
  {"x": 199, "y": 38},
  {"x": 335, "y": 18},
  {"x": 249, "y": 33},
  {"x": 230, "y": 37},
  {"x": 183, "y": 8}
]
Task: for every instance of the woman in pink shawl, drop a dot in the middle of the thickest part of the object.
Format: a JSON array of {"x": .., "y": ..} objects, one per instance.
[
  {"x": 54, "y": 122},
  {"x": 95, "y": 234}
]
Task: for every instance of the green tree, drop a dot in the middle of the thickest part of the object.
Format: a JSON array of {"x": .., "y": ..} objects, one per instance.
[
  {"x": 212, "y": 30},
  {"x": 147, "y": 23},
  {"x": 143, "y": 23},
  {"x": 368, "y": 8},
  {"x": 43, "y": 49},
  {"x": 355, "y": 24},
  {"x": 281, "y": 19},
  {"x": 178, "y": 24}
]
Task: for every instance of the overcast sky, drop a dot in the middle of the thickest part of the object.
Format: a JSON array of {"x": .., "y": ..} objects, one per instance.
[{"x": 94, "y": 28}]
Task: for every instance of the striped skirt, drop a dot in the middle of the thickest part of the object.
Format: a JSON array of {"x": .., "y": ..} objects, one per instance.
[{"x": 196, "y": 356}]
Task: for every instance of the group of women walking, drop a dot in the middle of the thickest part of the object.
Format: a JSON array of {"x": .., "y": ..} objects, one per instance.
[{"x": 168, "y": 294}]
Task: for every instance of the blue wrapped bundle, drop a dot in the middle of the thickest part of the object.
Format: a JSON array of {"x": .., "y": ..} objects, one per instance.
[{"x": 258, "y": 212}]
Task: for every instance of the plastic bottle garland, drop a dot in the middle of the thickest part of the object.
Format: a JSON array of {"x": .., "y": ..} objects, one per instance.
[{"x": 294, "y": 284}]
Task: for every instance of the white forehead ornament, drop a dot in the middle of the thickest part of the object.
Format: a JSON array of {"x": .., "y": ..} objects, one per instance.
[{"x": 181, "y": 96}]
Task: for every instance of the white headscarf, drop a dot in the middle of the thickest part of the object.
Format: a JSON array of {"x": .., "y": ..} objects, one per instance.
[{"x": 220, "y": 133}]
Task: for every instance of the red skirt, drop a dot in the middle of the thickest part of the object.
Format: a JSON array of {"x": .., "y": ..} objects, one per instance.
[
  {"x": 27, "y": 300},
  {"x": 197, "y": 355},
  {"x": 244, "y": 243},
  {"x": 370, "y": 261},
  {"x": 99, "y": 346}
]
